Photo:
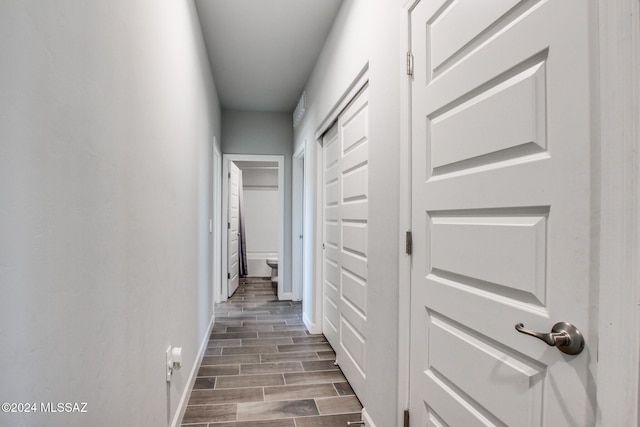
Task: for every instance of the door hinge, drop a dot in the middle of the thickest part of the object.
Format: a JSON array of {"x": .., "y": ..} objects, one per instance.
[
  {"x": 228, "y": 275},
  {"x": 228, "y": 226},
  {"x": 409, "y": 63},
  {"x": 229, "y": 175},
  {"x": 406, "y": 418},
  {"x": 409, "y": 242}
]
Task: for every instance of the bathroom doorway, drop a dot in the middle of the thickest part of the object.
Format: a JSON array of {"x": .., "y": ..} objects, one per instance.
[{"x": 253, "y": 216}]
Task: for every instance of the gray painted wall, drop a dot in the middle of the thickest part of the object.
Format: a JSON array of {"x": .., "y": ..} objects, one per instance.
[
  {"x": 264, "y": 134},
  {"x": 365, "y": 32},
  {"x": 107, "y": 116}
]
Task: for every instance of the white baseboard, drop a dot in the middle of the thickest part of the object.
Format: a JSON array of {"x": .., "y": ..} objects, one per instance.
[
  {"x": 311, "y": 327},
  {"x": 182, "y": 406},
  {"x": 368, "y": 422},
  {"x": 286, "y": 296}
]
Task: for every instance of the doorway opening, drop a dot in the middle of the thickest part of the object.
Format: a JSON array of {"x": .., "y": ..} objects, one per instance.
[{"x": 253, "y": 217}]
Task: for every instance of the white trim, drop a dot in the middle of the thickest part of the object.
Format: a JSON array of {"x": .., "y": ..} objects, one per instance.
[
  {"x": 347, "y": 96},
  {"x": 224, "y": 285},
  {"x": 312, "y": 291},
  {"x": 404, "y": 206},
  {"x": 282, "y": 262},
  {"x": 618, "y": 370},
  {"x": 318, "y": 237},
  {"x": 313, "y": 328},
  {"x": 285, "y": 296},
  {"x": 182, "y": 405},
  {"x": 216, "y": 270},
  {"x": 297, "y": 224},
  {"x": 368, "y": 422}
]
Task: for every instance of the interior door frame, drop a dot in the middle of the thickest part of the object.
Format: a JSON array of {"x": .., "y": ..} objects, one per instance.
[
  {"x": 216, "y": 222},
  {"x": 616, "y": 142},
  {"x": 297, "y": 224},
  {"x": 282, "y": 262}
]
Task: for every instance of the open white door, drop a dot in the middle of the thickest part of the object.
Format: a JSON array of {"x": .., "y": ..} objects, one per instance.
[
  {"x": 346, "y": 213},
  {"x": 233, "y": 230},
  {"x": 501, "y": 205}
]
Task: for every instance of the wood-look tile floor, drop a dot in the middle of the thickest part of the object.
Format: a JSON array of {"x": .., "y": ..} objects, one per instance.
[{"x": 262, "y": 368}]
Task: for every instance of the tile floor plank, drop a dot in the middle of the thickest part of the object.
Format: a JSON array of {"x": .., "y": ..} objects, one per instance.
[
  {"x": 290, "y": 392},
  {"x": 320, "y": 365},
  {"x": 249, "y": 381},
  {"x": 313, "y": 377},
  {"x": 215, "y": 371},
  {"x": 288, "y": 357},
  {"x": 232, "y": 395},
  {"x": 210, "y": 413},
  {"x": 328, "y": 420},
  {"x": 343, "y": 389},
  {"x": 280, "y": 409},
  {"x": 338, "y": 405},
  {"x": 230, "y": 360},
  {"x": 289, "y": 422},
  {"x": 270, "y": 368}
]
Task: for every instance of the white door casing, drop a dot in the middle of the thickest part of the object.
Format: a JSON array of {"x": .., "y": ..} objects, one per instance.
[
  {"x": 331, "y": 237},
  {"x": 217, "y": 268},
  {"x": 501, "y": 204},
  {"x": 232, "y": 230},
  {"x": 297, "y": 224},
  {"x": 345, "y": 237}
]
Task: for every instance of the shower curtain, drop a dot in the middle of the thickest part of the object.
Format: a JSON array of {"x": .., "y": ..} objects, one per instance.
[{"x": 242, "y": 241}]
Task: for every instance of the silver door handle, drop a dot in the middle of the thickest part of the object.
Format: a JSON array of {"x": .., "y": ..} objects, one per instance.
[{"x": 563, "y": 335}]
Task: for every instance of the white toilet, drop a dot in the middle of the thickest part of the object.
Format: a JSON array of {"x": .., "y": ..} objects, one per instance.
[{"x": 273, "y": 263}]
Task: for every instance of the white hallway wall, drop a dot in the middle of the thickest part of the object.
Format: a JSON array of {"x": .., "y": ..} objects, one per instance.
[
  {"x": 364, "y": 33},
  {"x": 264, "y": 133},
  {"x": 107, "y": 115}
]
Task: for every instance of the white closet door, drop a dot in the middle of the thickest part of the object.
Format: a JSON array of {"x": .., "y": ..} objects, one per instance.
[
  {"x": 345, "y": 205},
  {"x": 501, "y": 211}
]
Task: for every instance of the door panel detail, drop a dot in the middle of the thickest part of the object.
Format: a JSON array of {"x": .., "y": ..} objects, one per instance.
[
  {"x": 477, "y": 247},
  {"x": 505, "y": 121}
]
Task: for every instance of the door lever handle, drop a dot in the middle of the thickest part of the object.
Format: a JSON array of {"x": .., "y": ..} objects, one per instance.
[{"x": 566, "y": 337}]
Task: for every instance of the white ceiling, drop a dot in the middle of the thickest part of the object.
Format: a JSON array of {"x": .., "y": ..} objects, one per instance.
[{"x": 262, "y": 51}]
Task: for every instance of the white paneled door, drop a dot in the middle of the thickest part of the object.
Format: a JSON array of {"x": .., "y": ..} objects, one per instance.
[
  {"x": 233, "y": 261},
  {"x": 501, "y": 208},
  {"x": 345, "y": 206}
]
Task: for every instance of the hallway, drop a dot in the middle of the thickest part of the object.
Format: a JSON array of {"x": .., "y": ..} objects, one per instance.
[
  {"x": 262, "y": 368},
  {"x": 493, "y": 182}
]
